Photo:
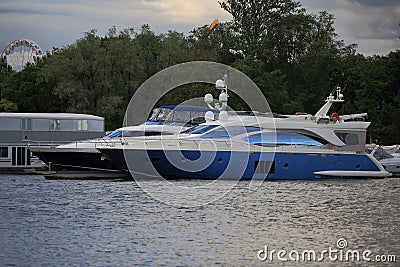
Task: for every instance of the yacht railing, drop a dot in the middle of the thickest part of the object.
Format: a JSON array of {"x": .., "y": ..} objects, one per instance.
[
  {"x": 49, "y": 144},
  {"x": 110, "y": 142},
  {"x": 53, "y": 144}
]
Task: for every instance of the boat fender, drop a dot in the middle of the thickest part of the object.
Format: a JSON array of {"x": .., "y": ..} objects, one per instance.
[{"x": 335, "y": 116}]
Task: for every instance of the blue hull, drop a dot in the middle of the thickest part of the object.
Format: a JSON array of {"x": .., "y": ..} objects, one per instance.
[{"x": 228, "y": 165}]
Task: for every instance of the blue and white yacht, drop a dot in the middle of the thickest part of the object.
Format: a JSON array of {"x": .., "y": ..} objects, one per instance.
[{"x": 271, "y": 147}]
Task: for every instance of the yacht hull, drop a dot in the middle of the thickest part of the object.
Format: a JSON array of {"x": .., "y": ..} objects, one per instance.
[
  {"x": 75, "y": 160},
  {"x": 244, "y": 165}
]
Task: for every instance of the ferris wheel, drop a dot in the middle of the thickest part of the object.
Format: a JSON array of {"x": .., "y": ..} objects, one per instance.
[{"x": 20, "y": 52}]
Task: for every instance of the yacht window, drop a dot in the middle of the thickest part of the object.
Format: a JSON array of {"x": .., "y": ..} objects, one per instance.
[
  {"x": 281, "y": 138},
  {"x": 151, "y": 133},
  {"x": 349, "y": 139},
  {"x": 140, "y": 133},
  {"x": 196, "y": 117},
  {"x": 199, "y": 129},
  {"x": 117, "y": 133},
  {"x": 160, "y": 114},
  {"x": 26, "y": 124},
  {"x": 132, "y": 133},
  {"x": 177, "y": 115},
  {"x": 380, "y": 154},
  {"x": 154, "y": 123},
  {"x": 154, "y": 115},
  {"x": 230, "y": 131},
  {"x": 164, "y": 114},
  {"x": 55, "y": 124},
  {"x": 180, "y": 116},
  {"x": 82, "y": 125},
  {"x": 4, "y": 152},
  {"x": 196, "y": 121}
]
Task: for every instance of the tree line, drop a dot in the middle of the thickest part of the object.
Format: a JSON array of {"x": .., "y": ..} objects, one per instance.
[{"x": 296, "y": 59}]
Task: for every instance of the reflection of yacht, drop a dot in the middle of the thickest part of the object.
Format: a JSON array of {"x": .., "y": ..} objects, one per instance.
[
  {"x": 263, "y": 147},
  {"x": 389, "y": 162},
  {"x": 83, "y": 155}
]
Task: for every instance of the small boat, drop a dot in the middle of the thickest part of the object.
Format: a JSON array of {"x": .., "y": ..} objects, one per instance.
[
  {"x": 388, "y": 161},
  {"x": 394, "y": 150},
  {"x": 84, "y": 157},
  {"x": 271, "y": 146}
]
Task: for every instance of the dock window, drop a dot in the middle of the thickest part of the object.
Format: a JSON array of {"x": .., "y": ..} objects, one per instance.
[
  {"x": 55, "y": 124},
  {"x": 26, "y": 124},
  {"x": 3, "y": 152},
  {"x": 83, "y": 125}
]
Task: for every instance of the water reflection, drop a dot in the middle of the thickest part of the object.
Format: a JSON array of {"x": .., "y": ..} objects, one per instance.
[{"x": 116, "y": 223}]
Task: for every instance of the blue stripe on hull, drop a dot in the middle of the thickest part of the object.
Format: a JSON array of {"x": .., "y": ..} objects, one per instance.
[
  {"x": 282, "y": 166},
  {"x": 303, "y": 166},
  {"x": 241, "y": 164}
]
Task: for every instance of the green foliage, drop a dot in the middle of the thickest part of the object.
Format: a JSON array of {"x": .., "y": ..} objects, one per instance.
[
  {"x": 99, "y": 75},
  {"x": 5, "y": 69},
  {"x": 256, "y": 22},
  {"x": 296, "y": 59},
  {"x": 7, "y": 105},
  {"x": 29, "y": 91}
]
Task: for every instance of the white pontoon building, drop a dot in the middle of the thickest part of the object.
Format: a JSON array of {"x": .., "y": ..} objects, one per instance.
[{"x": 17, "y": 130}]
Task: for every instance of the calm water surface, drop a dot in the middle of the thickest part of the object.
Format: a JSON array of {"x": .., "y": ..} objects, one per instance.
[{"x": 112, "y": 223}]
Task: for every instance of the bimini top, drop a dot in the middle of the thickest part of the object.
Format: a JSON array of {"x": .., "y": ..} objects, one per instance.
[
  {"x": 189, "y": 108},
  {"x": 178, "y": 114},
  {"x": 65, "y": 116}
]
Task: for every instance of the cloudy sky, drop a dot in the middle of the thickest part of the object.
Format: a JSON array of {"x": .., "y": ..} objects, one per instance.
[{"x": 372, "y": 24}]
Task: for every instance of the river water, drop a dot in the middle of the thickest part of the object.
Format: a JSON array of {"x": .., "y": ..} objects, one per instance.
[{"x": 115, "y": 223}]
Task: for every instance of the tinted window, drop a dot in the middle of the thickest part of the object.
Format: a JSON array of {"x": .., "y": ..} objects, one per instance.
[
  {"x": 114, "y": 134},
  {"x": 349, "y": 139},
  {"x": 230, "y": 131},
  {"x": 281, "y": 138},
  {"x": 199, "y": 129},
  {"x": 4, "y": 152},
  {"x": 82, "y": 125},
  {"x": 26, "y": 124},
  {"x": 55, "y": 124}
]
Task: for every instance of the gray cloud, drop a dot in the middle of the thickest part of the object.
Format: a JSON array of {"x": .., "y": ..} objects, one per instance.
[
  {"x": 377, "y": 3},
  {"x": 24, "y": 10},
  {"x": 373, "y": 25}
]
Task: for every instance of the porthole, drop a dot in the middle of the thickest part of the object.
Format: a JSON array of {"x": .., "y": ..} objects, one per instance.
[{"x": 286, "y": 165}]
